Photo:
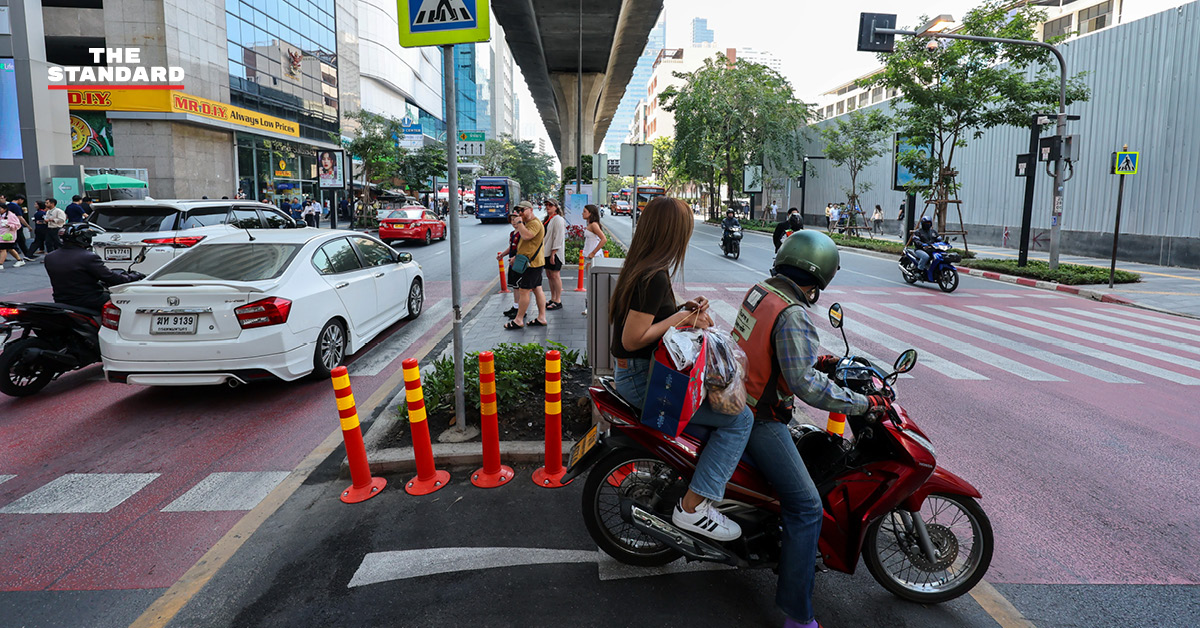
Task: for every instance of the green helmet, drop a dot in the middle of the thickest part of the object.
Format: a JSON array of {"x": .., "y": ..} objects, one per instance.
[{"x": 811, "y": 252}]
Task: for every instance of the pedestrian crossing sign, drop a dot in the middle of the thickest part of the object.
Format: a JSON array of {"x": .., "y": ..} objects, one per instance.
[
  {"x": 1126, "y": 163},
  {"x": 443, "y": 22}
]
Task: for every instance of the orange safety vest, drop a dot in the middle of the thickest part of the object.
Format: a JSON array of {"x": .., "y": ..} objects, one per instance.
[{"x": 753, "y": 331}]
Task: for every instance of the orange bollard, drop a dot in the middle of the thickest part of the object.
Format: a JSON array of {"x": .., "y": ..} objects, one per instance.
[
  {"x": 580, "y": 287},
  {"x": 363, "y": 486},
  {"x": 428, "y": 479},
  {"x": 550, "y": 476},
  {"x": 493, "y": 473},
  {"x": 503, "y": 278},
  {"x": 837, "y": 424},
  {"x": 605, "y": 252}
]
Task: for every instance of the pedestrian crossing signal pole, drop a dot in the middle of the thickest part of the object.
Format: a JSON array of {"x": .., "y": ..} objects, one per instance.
[
  {"x": 1123, "y": 163},
  {"x": 460, "y": 424}
]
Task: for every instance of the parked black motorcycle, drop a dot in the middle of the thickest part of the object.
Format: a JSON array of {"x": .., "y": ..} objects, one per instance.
[{"x": 731, "y": 242}]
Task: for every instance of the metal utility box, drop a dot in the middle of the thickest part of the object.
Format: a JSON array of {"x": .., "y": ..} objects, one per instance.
[{"x": 601, "y": 282}]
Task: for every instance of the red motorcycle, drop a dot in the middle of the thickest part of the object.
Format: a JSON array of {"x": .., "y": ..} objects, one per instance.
[{"x": 917, "y": 526}]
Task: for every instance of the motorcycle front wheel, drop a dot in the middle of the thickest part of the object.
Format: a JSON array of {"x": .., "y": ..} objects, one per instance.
[
  {"x": 948, "y": 279},
  {"x": 908, "y": 271},
  {"x": 634, "y": 475},
  {"x": 737, "y": 249},
  {"x": 20, "y": 377},
  {"x": 961, "y": 535}
]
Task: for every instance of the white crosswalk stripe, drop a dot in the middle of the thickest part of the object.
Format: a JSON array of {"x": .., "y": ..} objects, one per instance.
[
  {"x": 1044, "y": 296},
  {"x": 723, "y": 312},
  {"x": 1071, "y": 346},
  {"x": 1004, "y": 295},
  {"x": 5, "y": 478},
  {"x": 1124, "y": 332},
  {"x": 1110, "y": 342},
  {"x": 225, "y": 491},
  {"x": 1023, "y": 371},
  {"x": 871, "y": 291},
  {"x": 1145, "y": 324},
  {"x": 81, "y": 493},
  {"x": 945, "y": 367},
  {"x": 703, "y": 288},
  {"x": 1032, "y": 351}
]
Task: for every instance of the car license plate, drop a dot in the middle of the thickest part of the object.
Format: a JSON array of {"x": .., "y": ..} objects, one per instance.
[
  {"x": 584, "y": 445},
  {"x": 164, "y": 324},
  {"x": 118, "y": 253}
]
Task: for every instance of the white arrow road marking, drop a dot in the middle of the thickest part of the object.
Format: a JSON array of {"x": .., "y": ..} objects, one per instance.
[{"x": 379, "y": 567}]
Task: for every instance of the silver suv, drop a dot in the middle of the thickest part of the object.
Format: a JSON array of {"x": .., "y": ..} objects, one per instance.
[{"x": 143, "y": 235}]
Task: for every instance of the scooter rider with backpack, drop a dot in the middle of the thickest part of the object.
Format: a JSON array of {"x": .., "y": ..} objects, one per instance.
[{"x": 773, "y": 326}]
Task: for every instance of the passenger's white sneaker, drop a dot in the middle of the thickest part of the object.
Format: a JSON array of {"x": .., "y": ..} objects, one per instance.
[
  {"x": 707, "y": 520},
  {"x": 19, "y": 264}
]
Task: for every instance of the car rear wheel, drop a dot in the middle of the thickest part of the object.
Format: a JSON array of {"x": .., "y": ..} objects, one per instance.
[
  {"x": 416, "y": 300},
  {"x": 330, "y": 350}
]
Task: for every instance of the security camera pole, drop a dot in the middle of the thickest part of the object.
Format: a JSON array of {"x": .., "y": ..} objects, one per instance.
[{"x": 877, "y": 33}]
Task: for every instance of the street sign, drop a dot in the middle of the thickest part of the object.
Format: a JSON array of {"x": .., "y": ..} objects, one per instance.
[
  {"x": 413, "y": 138},
  {"x": 1023, "y": 163},
  {"x": 64, "y": 188},
  {"x": 636, "y": 160},
  {"x": 752, "y": 178},
  {"x": 614, "y": 166},
  {"x": 1126, "y": 163},
  {"x": 1049, "y": 148},
  {"x": 472, "y": 136},
  {"x": 902, "y": 176},
  {"x": 443, "y": 22},
  {"x": 868, "y": 39},
  {"x": 470, "y": 149}
]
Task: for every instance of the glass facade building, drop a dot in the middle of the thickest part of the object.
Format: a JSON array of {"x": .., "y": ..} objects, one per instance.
[
  {"x": 636, "y": 90},
  {"x": 701, "y": 33},
  {"x": 466, "y": 106}
]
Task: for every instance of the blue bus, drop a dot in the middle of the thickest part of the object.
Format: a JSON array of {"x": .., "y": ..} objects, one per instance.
[{"x": 495, "y": 197}]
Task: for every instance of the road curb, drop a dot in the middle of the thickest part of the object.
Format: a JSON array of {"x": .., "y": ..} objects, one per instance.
[
  {"x": 459, "y": 455},
  {"x": 1088, "y": 293}
]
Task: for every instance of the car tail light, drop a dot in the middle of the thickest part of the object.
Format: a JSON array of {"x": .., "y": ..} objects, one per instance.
[
  {"x": 110, "y": 316},
  {"x": 9, "y": 312},
  {"x": 264, "y": 312},
  {"x": 183, "y": 242}
]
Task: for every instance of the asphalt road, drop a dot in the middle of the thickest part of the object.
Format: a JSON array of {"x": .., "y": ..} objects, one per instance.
[
  {"x": 109, "y": 493},
  {"x": 1071, "y": 417}
]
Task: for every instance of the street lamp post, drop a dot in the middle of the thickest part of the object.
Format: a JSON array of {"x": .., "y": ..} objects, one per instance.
[{"x": 869, "y": 35}]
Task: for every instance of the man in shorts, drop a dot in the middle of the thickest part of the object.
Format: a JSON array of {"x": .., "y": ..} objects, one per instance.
[{"x": 532, "y": 234}]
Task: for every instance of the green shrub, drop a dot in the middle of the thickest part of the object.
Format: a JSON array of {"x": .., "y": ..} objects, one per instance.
[
  {"x": 520, "y": 369},
  {"x": 1067, "y": 274}
]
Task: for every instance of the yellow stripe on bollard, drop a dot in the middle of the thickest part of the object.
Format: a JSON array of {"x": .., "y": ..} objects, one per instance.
[
  {"x": 345, "y": 403},
  {"x": 350, "y": 423},
  {"x": 341, "y": 382},
  {"x": 554, "y": 386},
  {"x": 413, "y": 394},
  {"x": 553, "y": 366},
  {"x": 489, "y": 407},
  {"x": 553, "y": 407},
  {"x": 416, "y": 416}
]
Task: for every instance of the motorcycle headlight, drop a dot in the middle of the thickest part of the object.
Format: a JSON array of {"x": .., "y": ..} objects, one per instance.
[{"x": 921, "y": 440}]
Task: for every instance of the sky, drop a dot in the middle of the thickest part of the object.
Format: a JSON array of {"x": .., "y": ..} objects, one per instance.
[{"x": 815, "y": 41}]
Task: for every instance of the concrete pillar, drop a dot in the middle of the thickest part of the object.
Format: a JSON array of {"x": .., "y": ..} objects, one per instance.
[
  {"x": 568, "y": 116},
  {"x": 45, "y": 125}
]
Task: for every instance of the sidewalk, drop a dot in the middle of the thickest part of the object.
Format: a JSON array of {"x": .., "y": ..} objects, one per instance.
[
  {"x": 484, "y": 328},
  {"x": 1165, "y": 288}
]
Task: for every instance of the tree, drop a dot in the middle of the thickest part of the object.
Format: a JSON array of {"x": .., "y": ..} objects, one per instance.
[
  {"x": 727, "y": 116},
  {"x": 374, "y": 144},
  {"x": 854, "y": 142},
  {"x": 955, "y": 89},
  {"x": 418, "y": 166},
  {"x": 532, "y": 169},
  {"x": 498, "y": 154}
]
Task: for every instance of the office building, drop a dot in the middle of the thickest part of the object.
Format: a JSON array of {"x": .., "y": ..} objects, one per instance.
[
  {"x": 658, "y": 122},
  {"x": 701, "y": 33},
  {"x": 760, "y": 57},
  {"x": 623, "y": 119},
  {"x": 398, "y": 82}
]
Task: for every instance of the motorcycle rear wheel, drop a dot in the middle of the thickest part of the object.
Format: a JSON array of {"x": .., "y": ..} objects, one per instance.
[
  {"x": 18, "y": 377},
  {"x": 634, "y": 474},
  {"x": 948, "y": 279},
  {"x": 894, "y": 559}
]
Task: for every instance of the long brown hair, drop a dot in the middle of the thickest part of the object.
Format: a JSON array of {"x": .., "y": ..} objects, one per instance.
[
  {"x": 593, "y": 213},
  {"x": 661, "y": 240}
]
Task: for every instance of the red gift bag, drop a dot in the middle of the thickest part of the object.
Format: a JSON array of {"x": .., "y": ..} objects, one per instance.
[{"x": 673, "y": 396}]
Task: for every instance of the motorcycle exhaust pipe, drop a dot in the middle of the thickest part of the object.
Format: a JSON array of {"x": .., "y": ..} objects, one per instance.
[
  {"x": 57, "y": 358},
  {"x": 686, "y": 544}
]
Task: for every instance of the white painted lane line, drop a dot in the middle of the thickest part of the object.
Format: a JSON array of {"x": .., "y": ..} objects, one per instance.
[
  {"x": 735, "y": 289},
  {"x": 1143, "y": 324},
  {"x": 1030, "y": 350},
  {"x": 1109, "y": 342},
  {"x": 941, "y": 365},
  {"x": 1104, "y": 356},
  {"x": 1004, "y": 295},
  {"x": 374, "y": 361},
  {"x": 702, "y": 288},
  {"x": 983, "y": 355},
  {"x": 1044, "y": 296},
  {"x": 403, "y": 564},
  {"x": 5, "y": 478},
  {"x": 833, "y": 291},
  {"x": 81, "y": 493},
  {"x": 722, "y": 257},
  {"x": 834, "y": 345},
  {"x": 228, "y": 490},
  {"x": 1120, "y": 332},
  {"x": 871, "y": 292}
]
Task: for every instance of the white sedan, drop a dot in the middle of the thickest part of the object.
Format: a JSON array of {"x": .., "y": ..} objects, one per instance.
[{"x": 245, "y": 307}]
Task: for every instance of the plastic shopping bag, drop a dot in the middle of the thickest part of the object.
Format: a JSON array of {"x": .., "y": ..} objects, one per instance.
[{"x": 725, "y": 372}]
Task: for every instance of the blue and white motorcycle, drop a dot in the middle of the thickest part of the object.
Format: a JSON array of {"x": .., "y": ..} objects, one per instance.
[{"x": 941, "y": 268}]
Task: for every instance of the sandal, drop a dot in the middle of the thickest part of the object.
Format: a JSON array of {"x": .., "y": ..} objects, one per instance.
[
  {"x": 554, "y": 305},
  {"x": 512, "y": 325},
  {"x": 535, "y": 323}
]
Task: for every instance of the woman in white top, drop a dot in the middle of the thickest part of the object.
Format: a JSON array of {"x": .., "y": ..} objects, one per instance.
[
  {"x": 554, "y": 249},
  {"x": 594, "y": 240}
]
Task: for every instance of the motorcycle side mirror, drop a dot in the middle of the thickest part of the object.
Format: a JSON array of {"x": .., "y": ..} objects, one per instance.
[
  {"x": 906, "y": 361},
  {"x": 835, "y": 315}
]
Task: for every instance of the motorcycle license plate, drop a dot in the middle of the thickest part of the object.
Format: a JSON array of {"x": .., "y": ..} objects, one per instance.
[
  {"x": 584, "y": 445},
  {"x": 118, "y": 254},
  {"x": 173, "y": 324}
]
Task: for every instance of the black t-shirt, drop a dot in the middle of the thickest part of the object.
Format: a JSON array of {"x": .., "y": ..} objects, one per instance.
[{"x": 654, "y": 296}]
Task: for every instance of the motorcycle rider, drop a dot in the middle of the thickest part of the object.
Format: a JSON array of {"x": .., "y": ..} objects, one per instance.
[
  {"x": 922, "y": 238},
  {"x": 77, "y": 275},
  {"x": 773, "y": 326},
  {"x": 793, "y": 223},
  {"x": 730, "y": 222}
]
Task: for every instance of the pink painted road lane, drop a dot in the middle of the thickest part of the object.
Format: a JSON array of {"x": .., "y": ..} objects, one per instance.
[
  {"x": 82, "y": 425},
  {"x": 1083, "y": 441}
]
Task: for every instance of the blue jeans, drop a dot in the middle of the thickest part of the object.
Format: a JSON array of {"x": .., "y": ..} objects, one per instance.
[
  {"x": 922, "y": 259},
  {"x": 724, "y": 448},
  {"x": 774, "y": 453}
]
